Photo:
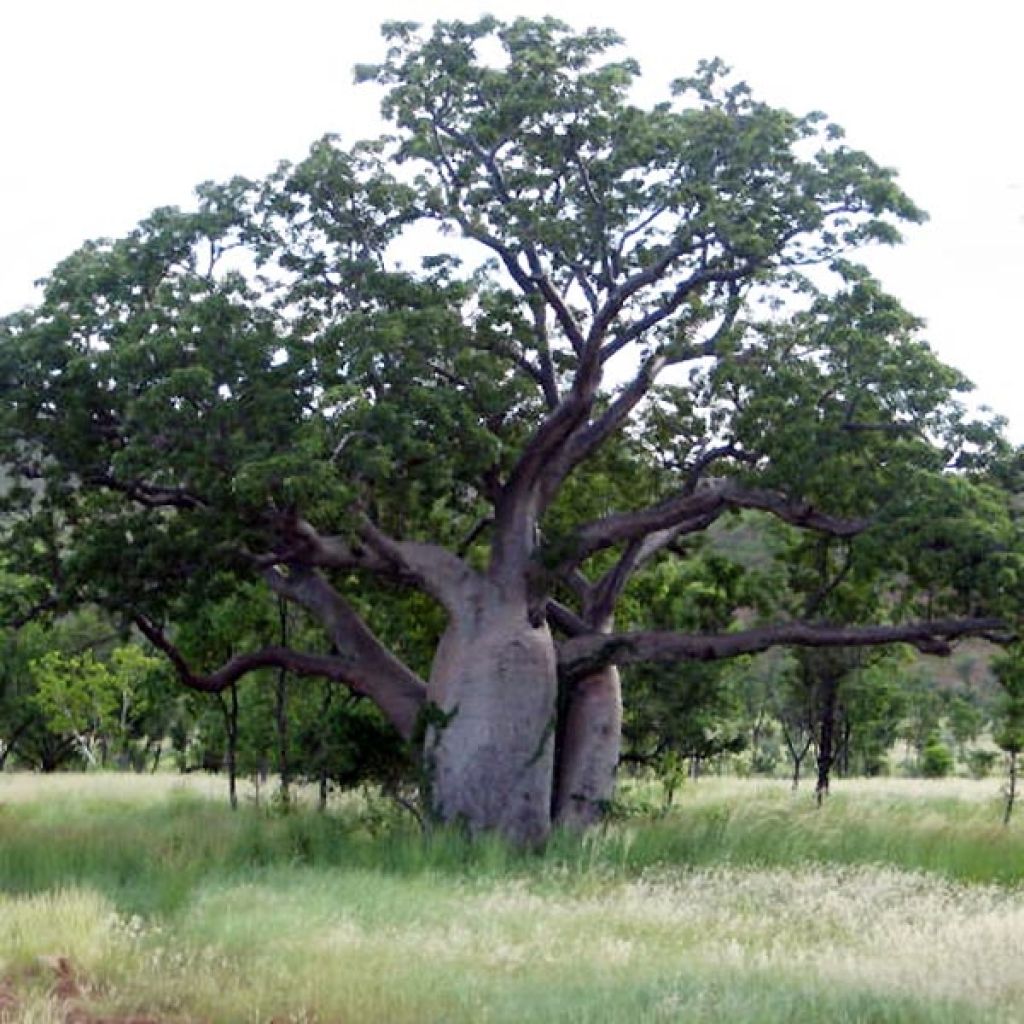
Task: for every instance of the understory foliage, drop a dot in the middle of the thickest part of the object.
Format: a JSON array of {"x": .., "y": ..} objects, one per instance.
[{"x": 470, "y": 395}]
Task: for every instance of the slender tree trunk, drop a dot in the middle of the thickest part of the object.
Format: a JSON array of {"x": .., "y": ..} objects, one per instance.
[
  {"x": 281, "y": 712},
  {"x": 755, "y": 739},
  {"x": 826, "y": 736},
  {"x": 281, "y": 727},
  {"x": 322, "y": 743},
  {"x": 230, "y": 710},
  {"x": 590, "y": 733},
  {"x": 1011, "y": 788},
  {"x": 12, "y": 742},
  {"x": 843, "y": 751},
  {"x": 798, "y": 758},
  {"x": 488, "y": 749}
]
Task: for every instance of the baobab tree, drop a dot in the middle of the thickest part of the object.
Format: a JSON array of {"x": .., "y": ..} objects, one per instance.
[{"x": 613, "y": 343}]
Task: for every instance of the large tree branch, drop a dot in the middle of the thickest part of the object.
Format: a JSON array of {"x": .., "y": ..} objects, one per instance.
[
  {"x": 519, "y": 505},
  {"x": 605, "y": 593},
  {"x": 590, "y": 437},
  {"x": 37, "y": 610},
  {"x": 429, "y": 567},
  {"x": 322, "y": 665},
  {"x": 633, "y": 284},
  {"x": 149, "y": 495},
  {"x": 566, "y": 619},
  {"x": 582, "y": 655},
  {"x": 361, "y": 662},
  {"x": 691, "y": 510},
  {"x": 370, "y": 668},
  {"x": 438, "y": 571},
  {"x": 670, "y": 303}
]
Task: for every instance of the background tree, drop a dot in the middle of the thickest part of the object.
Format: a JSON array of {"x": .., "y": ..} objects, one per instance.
[
  {"x": 1009, "y": 722},
  {"x": 44, "y": 722},
  {"x": 258, "y": 389}
]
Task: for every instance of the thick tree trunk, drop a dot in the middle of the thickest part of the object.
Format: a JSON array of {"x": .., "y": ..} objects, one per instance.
[
  {"x": 488, "y": 751},
  {"x": 588, "y": 750}
]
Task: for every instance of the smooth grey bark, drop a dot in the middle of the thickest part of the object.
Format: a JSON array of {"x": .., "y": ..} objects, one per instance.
[
  {"x": 488, "y": 750},
  {"x": 590, "y": 738}
]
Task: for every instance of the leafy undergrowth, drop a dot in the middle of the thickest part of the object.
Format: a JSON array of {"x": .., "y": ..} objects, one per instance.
[{"x": 742, "y": 905}]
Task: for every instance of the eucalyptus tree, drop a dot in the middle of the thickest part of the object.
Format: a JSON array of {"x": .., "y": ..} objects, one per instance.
[{"x": 613, "y": 343}]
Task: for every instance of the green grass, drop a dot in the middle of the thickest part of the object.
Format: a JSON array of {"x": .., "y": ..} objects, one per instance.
[{"x": 744, "y": 904}]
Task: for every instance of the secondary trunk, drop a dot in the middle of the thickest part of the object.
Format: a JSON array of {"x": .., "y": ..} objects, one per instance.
[
  {"x": 488, "y": 750},
  {"x": 588, "y": 750}
]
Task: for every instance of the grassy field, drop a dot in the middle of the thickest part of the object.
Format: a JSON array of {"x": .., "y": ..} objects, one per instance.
[{"x": 898, "y": 901}]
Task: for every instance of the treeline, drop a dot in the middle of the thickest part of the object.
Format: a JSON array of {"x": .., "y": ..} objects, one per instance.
[{"x": 78, "y": 694}]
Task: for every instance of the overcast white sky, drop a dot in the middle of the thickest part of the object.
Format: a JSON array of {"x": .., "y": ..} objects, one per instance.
[{"x": 111, "y": 107}]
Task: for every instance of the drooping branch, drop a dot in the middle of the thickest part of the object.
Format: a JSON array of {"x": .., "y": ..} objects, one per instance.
[
  {"x": 360, "y": 661},
  {"x": 320, "y": 665},
  {"x": 581, "y": 655}
]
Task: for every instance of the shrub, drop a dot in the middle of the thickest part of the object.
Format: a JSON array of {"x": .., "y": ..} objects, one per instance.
[
  {"x": 980, "y": 763},
  {"x": 936, "y": 759}
]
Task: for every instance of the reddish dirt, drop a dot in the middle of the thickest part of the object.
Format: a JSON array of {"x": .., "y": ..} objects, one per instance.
[
  {"x": 68, "y": 991},
  {"x": 8, "y": 1001}
]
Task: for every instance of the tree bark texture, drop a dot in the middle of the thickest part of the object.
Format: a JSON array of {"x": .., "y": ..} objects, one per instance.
[
  {"x": 588, "y": 749},
  {"x": 489, "y": 743}
]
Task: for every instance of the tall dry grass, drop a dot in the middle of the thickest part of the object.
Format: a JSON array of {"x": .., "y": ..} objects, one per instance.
[{"x": 745, "y": 905}]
